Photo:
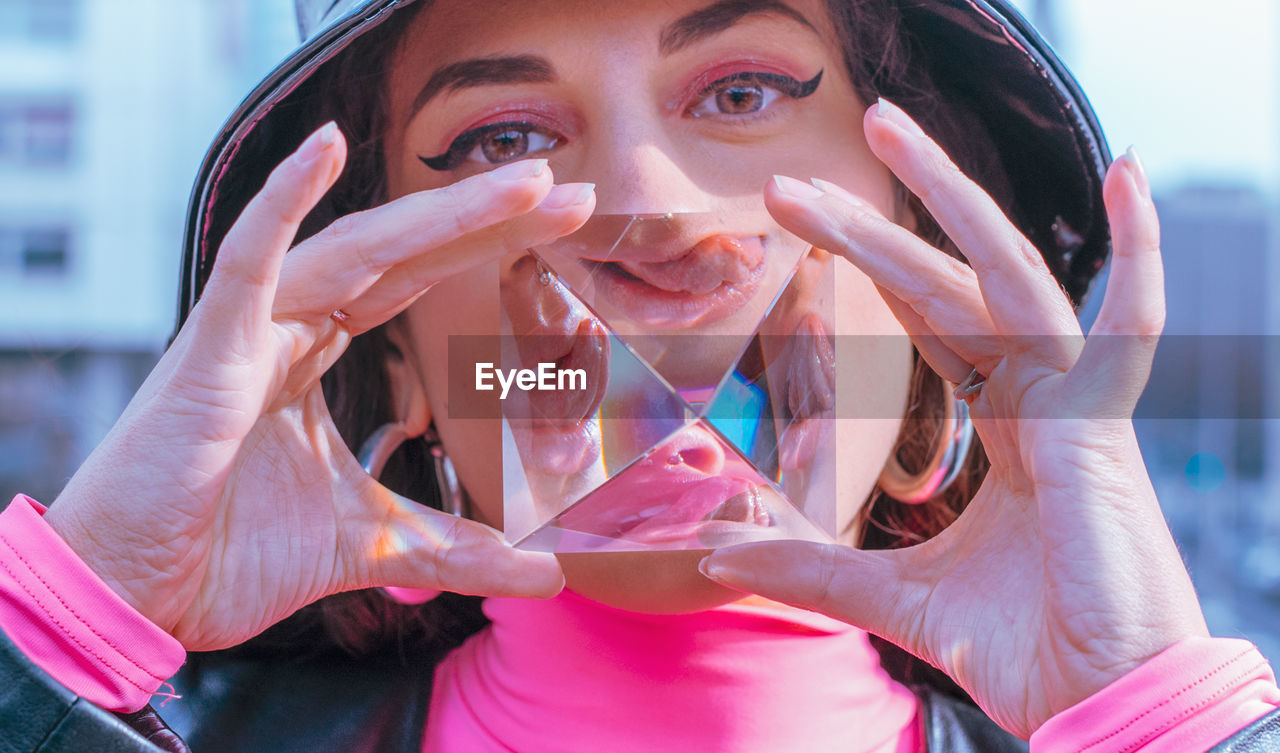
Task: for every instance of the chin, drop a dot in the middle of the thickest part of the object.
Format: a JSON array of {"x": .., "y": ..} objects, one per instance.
[{"x": 649, "y": 582}]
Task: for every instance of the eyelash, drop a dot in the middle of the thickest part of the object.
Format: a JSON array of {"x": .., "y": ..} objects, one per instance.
[{"x": 464, "y": 145}]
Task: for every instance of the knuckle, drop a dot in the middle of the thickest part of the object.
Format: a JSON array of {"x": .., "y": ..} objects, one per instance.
[
  {"x": 1027, "y": 251},
  {"x": 1148, "y": 324},
  {"x": 941, "y": 293},
  {"x": 454, "y": 215},
  {"x": 348, "y": 233},
  {"x": 280, "y": 205},
  {"x": 445, "y": 555},
  {"x": 345, "y": 226},
  {"x": 824, "y": 596},
  {"x": 943, "y": 176},
  {"x": 234, "y": 263}
]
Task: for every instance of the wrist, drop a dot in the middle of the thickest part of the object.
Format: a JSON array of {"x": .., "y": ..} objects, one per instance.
[{"x": 115, "y": 572}]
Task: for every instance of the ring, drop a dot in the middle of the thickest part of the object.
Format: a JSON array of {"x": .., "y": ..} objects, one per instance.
[
  {"x": 970, "y": 387},
  {"x": 339, "y": 316}
]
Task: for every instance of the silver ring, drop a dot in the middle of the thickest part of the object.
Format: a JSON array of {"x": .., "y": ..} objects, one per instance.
[
  {"x": 970, "y": 387},
  {"x": 339, "y": 316}
]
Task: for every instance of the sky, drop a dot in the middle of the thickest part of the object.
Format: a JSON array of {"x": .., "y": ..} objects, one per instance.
[{"x": 1193, "y": 86}]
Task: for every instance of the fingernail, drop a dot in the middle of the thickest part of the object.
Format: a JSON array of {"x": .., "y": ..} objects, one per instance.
[
  {"x": 834, "y": 190},
  {"x": 1137, "y": 170},
  {"x": 710, "y": 569},
  {"x": 517, "y": 171},
  {"x": 317, "y": 143},
  {"x": 796, "y": 188},
  {"x": 568, "y": 195},
  {"x": 892, "y": 113}
]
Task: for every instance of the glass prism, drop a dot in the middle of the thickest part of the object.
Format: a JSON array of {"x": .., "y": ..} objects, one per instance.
[{"x": 671, "y": 385}]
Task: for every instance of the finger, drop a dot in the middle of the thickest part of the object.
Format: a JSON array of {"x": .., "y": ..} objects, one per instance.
[
  {"x": 346, "y": 258},
  {"x": 1021, "y": 294},
  {"x": 941, "y": 358},
  {"x": 1117, "y": 356},
  {"x": 563, "y": 211},
  {"x": 863, "y": 588},
  {"x": 415, "y": 546},
  {"x": 940, "y": 291},
  {"x": 245, "y": 275}
]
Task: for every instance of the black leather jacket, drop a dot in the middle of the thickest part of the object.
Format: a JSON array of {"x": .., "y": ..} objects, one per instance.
[{"x": 328, "y": 703}]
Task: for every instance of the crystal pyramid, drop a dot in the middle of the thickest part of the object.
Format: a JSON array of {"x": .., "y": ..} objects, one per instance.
[{"x": 676, "y": 389}]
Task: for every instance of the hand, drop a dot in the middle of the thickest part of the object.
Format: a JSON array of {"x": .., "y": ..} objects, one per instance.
[
  {"x": 1061, "y": 575},
  {"x": 224, "y": 498}
]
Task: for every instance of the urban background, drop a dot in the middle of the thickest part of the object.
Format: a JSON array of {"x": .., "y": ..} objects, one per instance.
[{"x": 107, "y": 106}]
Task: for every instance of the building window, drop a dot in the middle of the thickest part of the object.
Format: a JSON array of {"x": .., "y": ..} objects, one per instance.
[
  {"x": 37, "y": 133},
  {"x": 40, "y": 20},
  {"x": 37, "y": 251},
  {"x": 44, "y": 252}
]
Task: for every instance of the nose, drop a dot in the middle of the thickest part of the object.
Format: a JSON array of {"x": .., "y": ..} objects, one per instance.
[{"x": 637, "y": 170}]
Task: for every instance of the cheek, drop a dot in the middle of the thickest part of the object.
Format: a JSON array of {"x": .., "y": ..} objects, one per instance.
[
  {"x": 873, "y": 364},
  {"x": 453, "y": 327}
]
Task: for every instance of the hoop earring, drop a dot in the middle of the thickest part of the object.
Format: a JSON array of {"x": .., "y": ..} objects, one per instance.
[
  {"x": 384, "y": 441},
  {"x": 943, "y": 467}
]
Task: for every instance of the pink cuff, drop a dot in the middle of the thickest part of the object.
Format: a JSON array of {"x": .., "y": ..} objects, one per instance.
[
  {"x": 70, "y": 623},
  {"x": 1190, "y": 697}
]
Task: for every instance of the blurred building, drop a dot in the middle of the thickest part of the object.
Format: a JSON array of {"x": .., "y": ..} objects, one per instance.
[
  {"x": 1205, "y": 418},
  {"x": 106, "y": 108}
]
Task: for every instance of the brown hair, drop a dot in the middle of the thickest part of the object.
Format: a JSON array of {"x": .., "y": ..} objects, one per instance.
[{"x": 878, "y": 54}]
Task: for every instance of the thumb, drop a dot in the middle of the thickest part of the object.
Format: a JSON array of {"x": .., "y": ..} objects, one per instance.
[
  {"x": 409, "y": 545},
  {"x": 862, "y": 588}
]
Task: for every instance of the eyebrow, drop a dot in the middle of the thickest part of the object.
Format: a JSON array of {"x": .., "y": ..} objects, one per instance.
[
  {"x": 516, "y": 69},
  {"x": 534, "y": 69},
  {"x": 719, "y": 16}
]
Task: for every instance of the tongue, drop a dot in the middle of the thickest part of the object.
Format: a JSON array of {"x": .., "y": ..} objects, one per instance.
[{"x": 714, "y": 261}]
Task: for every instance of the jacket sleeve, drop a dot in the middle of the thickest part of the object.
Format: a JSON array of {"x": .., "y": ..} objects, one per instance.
[
  {"x": 72, "y": 651},
  {"x": 39, "y": 715},
  {"x": 1195, "y": 695}
]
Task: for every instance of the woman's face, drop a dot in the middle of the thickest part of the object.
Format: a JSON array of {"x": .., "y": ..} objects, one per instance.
[{"x": 663, "y": 105}]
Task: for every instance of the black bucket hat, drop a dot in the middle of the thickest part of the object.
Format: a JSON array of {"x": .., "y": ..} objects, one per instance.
[{"x": 982, "y": 55}]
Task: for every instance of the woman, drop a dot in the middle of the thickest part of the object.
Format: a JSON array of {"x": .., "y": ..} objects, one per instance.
[{"x": 226, "y": 498}]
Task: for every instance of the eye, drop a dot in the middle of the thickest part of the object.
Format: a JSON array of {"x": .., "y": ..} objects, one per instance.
[
  {"x": 493, "y": 144},
  {"x": 748, "y": 92}
]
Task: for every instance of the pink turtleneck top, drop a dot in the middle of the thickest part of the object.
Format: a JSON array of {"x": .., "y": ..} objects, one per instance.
[{"x": 568, "y": 674}]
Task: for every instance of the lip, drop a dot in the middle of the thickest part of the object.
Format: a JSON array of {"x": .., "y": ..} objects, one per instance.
[
  {"x": 810, "y": 380},
  {"x": 685, "y": 487},
  {"x": 557, "y": 449},
  {"x": 705, "y": 284},
  {"x": 551, "y": 326}
]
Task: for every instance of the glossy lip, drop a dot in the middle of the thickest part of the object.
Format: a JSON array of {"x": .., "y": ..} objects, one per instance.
[
  {"x": 551, "y": 326},
  {"x": 657, "y": 501},
  {"x": 552, "y": 429},
  {"x": 642, "y": 297},
  {"x": 557, "y": 450}
]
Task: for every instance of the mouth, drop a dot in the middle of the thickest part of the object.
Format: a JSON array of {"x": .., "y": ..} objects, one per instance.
[
  {"x": 705, "y": 284},
  {"x": 682, "y": 490},
  {"x": 557, "y": 450},
  {"x": 553, "y": 428},
  {"x": 550, "y": 326}
]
